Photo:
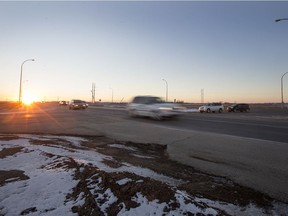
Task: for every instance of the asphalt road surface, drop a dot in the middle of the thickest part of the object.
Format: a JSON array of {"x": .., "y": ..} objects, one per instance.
[
  {"x": 249, "y": 148},
  {"x": 264, "y": 125},
  {"x": 268, "y": 126}
]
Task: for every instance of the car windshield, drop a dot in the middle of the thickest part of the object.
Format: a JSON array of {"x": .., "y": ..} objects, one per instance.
[
  {"x": 156, "y": 100},
  {"x": 78, "y": 101}
]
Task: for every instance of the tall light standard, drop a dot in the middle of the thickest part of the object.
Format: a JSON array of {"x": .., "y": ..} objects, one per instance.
[
  {"x": 166, "y": 89},
  {"x": 282, "y": 101},
  {"x": 20, "y": 89}
]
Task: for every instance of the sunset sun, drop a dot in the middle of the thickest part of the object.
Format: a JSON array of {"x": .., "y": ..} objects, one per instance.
[{"x": 28, "y": 99}]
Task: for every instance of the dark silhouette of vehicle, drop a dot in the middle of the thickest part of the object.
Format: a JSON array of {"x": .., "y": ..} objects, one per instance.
[
  {"x": 241, "y": 107},
  {"x": 77, "y": 104},
  {"x": 63, "y": 103}
]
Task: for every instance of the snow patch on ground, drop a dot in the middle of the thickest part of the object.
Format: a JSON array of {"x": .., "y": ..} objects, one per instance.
[
  {"x": 44, "y": 193},
  {"x": 122, "y": 147}
]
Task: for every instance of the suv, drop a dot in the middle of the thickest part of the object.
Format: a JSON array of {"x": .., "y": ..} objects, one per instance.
[
  {"x": 211, "y": 107},
  {"x": 238, "y": 107},
  {"x": 152, "y": 107},
  {"x": 77, "y": 104}
]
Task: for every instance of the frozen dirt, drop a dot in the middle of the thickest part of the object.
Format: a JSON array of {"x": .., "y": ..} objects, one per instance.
[{"x": 65, "y": 175}]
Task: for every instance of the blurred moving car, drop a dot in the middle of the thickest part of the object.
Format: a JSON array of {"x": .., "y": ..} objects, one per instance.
[
  {"x": 241, "y": 107},
  {"x": 153, "y": 107},
  {"x": 211, "y": 107},
  {"x": 77, "y": 104},
  {"x": 63, "y": 103}
]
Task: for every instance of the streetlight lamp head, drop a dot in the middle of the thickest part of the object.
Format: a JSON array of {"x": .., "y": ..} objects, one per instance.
[{"x": 281, "y": 19}]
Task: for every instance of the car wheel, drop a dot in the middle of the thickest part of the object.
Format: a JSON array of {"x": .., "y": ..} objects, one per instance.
[
  {"x": 208, "y": 111},
  {"x": 220, "y": 111}
]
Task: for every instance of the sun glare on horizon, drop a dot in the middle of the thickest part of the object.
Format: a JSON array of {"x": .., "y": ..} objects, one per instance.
[{"x": 27, "y": 99}]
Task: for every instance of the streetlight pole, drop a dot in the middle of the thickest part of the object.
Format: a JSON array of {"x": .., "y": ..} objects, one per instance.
[
  {"x": 282, "y": 101},
  {"x": 20, "y": 89},
  {"x": 166, "y": 89}
]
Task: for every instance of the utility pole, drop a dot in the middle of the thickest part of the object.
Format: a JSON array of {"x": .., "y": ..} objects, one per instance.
[
  {"x": 93, "y": 92},
  {"x": 202, "y": 96},
  {"x": 166, "y": 89}
]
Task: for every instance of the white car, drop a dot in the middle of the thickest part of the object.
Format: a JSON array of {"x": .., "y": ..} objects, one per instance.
[
  {"x": 152, "y": 107},
  {"x": 211, "y": 107}
]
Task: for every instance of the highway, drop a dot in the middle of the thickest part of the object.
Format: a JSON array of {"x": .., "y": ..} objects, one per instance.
[
  {"x": 248, "y": 148},
  {"x": 268, "y": 125},
  {"x": 265, "y": 126}
]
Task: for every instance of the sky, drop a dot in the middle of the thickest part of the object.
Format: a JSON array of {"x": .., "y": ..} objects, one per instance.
[
  {"x": 49, "y": 180},
  {"x": 231, "y": 51}
]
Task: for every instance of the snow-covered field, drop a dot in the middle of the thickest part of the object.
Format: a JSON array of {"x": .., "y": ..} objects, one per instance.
[{"x": 38, "y": 178}]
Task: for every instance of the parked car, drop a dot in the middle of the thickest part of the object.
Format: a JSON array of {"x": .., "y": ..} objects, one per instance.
[
  {"x": 77, "y": 104},
  {"x": 153, "y": 107},
  {"x": 63, "y": 103},
  {"x": 241, "y": 107},
  {"x": 211, "y": 107}
]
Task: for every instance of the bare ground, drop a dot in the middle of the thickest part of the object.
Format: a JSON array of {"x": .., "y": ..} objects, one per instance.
[{"x": 151, "y": 156}]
